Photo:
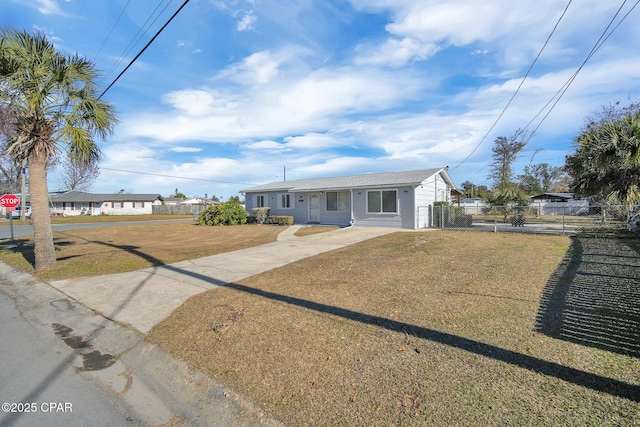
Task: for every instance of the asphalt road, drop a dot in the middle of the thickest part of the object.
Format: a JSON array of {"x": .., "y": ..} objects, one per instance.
[
  {"x": 38, "y": 387},
  {"x": 21, "y": 230}
]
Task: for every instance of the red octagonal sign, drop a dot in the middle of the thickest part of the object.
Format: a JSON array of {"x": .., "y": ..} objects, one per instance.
[{"x": 9, "y": 200}]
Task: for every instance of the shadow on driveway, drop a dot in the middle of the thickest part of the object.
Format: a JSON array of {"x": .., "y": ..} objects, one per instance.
[{"x": 593, "y": 297}]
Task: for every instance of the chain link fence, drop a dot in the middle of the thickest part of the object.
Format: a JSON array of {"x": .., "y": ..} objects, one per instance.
[
  {"x": 184, "y": 209},
  {"x": 599, "y": 219}
]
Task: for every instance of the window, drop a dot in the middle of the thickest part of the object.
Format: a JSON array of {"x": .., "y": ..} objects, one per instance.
[
  {"x": 382, "y": 201},
  {"x": 338, "y": 201},
  {"x": 285, "y": 201},
  {"x": 117, "y": 205},
  {"x": 260, "y": 201},
  {"x": 138, "y": 204}
]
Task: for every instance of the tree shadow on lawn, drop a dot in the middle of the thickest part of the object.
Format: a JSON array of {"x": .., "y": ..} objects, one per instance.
[
  {"x": 593, "y": 297},
  {"x": 575, "y": 376},
  {"x": 25, "y": 247}
]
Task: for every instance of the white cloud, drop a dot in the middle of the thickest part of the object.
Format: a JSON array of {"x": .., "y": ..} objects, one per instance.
[
  {"x": 266, "y": 145},
  {"x": 313, "y": 141},
  {"x": 195, "y": 102},
  {"x": 516, "y": 32},
  {"x": 257, "y": 68},
  {"x": 396, "y": 52},
  {"x": 247, "y": 22},
  {"x": 48, "y": 6},
  {"x": 185, "y": 149},
  {"x": 336, "y": 166},
  {"x": 291, "y": 104}
]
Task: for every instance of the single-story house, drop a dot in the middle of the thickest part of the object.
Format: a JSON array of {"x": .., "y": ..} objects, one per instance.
[
  {"x": 559, "y": 203},
  {"x": 389, "y": 199},
  {"x": 83, "y": 203},
  {"x": 172, "y": 200}
]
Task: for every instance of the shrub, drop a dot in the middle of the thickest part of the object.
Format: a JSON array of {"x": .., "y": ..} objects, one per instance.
[
  {"x": 227, "y": 213},
  {"x": 462, "y": 220},
  {"x": 251, "y": 219},
  {"x": 261, "y": 214},
  {"x": 281, "y": 220}
]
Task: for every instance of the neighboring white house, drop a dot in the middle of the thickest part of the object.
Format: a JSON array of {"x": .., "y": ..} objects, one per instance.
[
  {"x": 389, "y": 199},
  {"x": 559, "y": 203},
  {"x": 473, "y": 205},
  {"x": 194, "y": 201},
  {"x": 172, "y": 200},
  {"x": 82, "y": 203}
]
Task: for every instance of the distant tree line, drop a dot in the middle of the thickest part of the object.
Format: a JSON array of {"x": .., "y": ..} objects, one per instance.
[{"x": 605, "y": 166}]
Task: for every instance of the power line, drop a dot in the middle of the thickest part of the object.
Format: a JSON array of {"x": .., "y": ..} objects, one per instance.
[
  {"x": 517, "y": 89},
  {"x": 111, "y": 31},
  {"x": 144, "y": 48},
  {"x": 176, "y": 177},
  {"x": 560, "y": 93},
  {"x": 601, "y": 40},
  {"x": 136, "y": 38}
]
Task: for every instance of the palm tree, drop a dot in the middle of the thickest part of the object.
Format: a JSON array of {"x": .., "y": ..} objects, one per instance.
[
  {"x": 57, "y": 110},
  {"x": 607, "y": 160}
]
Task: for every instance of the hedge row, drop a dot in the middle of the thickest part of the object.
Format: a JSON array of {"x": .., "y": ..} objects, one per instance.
[
  {"x": 281, "y": 220},
  {"x": 232, "y": 213}
]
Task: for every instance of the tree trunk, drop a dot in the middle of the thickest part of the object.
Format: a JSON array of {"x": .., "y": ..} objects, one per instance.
[
  {"x": 633, "y": 221},
  {"x": 44, "y": 251}
]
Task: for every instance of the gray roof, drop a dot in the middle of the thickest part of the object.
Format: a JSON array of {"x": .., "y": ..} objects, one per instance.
[
  {"x": 384, "y": 179},
  {"x": 564, "y": 196},
  {"x": 81, "y": 196}
]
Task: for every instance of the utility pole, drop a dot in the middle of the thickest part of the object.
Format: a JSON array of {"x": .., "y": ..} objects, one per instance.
[{"x": 23, "y": 199}]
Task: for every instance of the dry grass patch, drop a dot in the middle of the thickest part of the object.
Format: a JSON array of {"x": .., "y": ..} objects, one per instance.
[
  {"x": 82, "y": 219},
  {"x": 116, "y": 249},
  {"x": 433, "y": 328}
]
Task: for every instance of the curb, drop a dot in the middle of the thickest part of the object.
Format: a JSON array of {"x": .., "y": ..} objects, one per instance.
[{"x": 145, "y": 383}]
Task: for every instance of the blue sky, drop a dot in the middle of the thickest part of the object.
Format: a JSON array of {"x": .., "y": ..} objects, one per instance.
[{"x": 233, "y": 91}]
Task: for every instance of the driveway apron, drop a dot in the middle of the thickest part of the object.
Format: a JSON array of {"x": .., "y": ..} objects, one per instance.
[{"x": 144, "y": 298}]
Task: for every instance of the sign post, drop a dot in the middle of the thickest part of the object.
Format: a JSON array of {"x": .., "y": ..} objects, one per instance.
[{"x": 10, "y": 201}]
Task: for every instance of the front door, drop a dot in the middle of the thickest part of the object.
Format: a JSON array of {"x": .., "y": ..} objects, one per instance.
[{"x": 314, "y": 207}]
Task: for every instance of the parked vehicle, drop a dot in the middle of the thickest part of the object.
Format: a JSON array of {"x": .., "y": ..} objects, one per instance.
[{"x": 16, "y": 212}]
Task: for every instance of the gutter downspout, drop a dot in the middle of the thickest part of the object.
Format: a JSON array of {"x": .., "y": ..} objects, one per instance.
[{"x": 352, "y": 221}]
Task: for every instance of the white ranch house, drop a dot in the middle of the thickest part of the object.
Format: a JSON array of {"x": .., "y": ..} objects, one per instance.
[
  {"x": 82, "y": 203},
  {"x": 390, "y": 199}
]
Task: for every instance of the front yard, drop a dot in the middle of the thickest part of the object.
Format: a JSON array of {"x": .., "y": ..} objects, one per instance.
[{"x": 435, "y": 328}]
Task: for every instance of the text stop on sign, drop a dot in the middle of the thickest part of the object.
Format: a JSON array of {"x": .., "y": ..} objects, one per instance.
[{"x": 9, "y": 200}]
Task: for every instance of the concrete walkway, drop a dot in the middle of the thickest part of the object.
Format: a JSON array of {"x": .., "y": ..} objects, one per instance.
[{"x": 144, "y": 298}]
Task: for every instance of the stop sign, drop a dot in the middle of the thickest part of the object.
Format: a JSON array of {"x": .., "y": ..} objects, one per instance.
[{"x": 9, "y": 200}]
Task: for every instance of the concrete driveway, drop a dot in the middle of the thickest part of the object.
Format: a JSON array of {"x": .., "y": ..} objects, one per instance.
[{"x": 143, "y": 298}]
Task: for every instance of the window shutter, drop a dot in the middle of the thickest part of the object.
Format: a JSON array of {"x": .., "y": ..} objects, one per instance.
[{"x": 113, "y": 205}]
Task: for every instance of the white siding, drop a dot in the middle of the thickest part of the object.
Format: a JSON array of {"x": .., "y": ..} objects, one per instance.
[
  {"x": 126, "y": 208},
  {"x": 434, "y": 189}
]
